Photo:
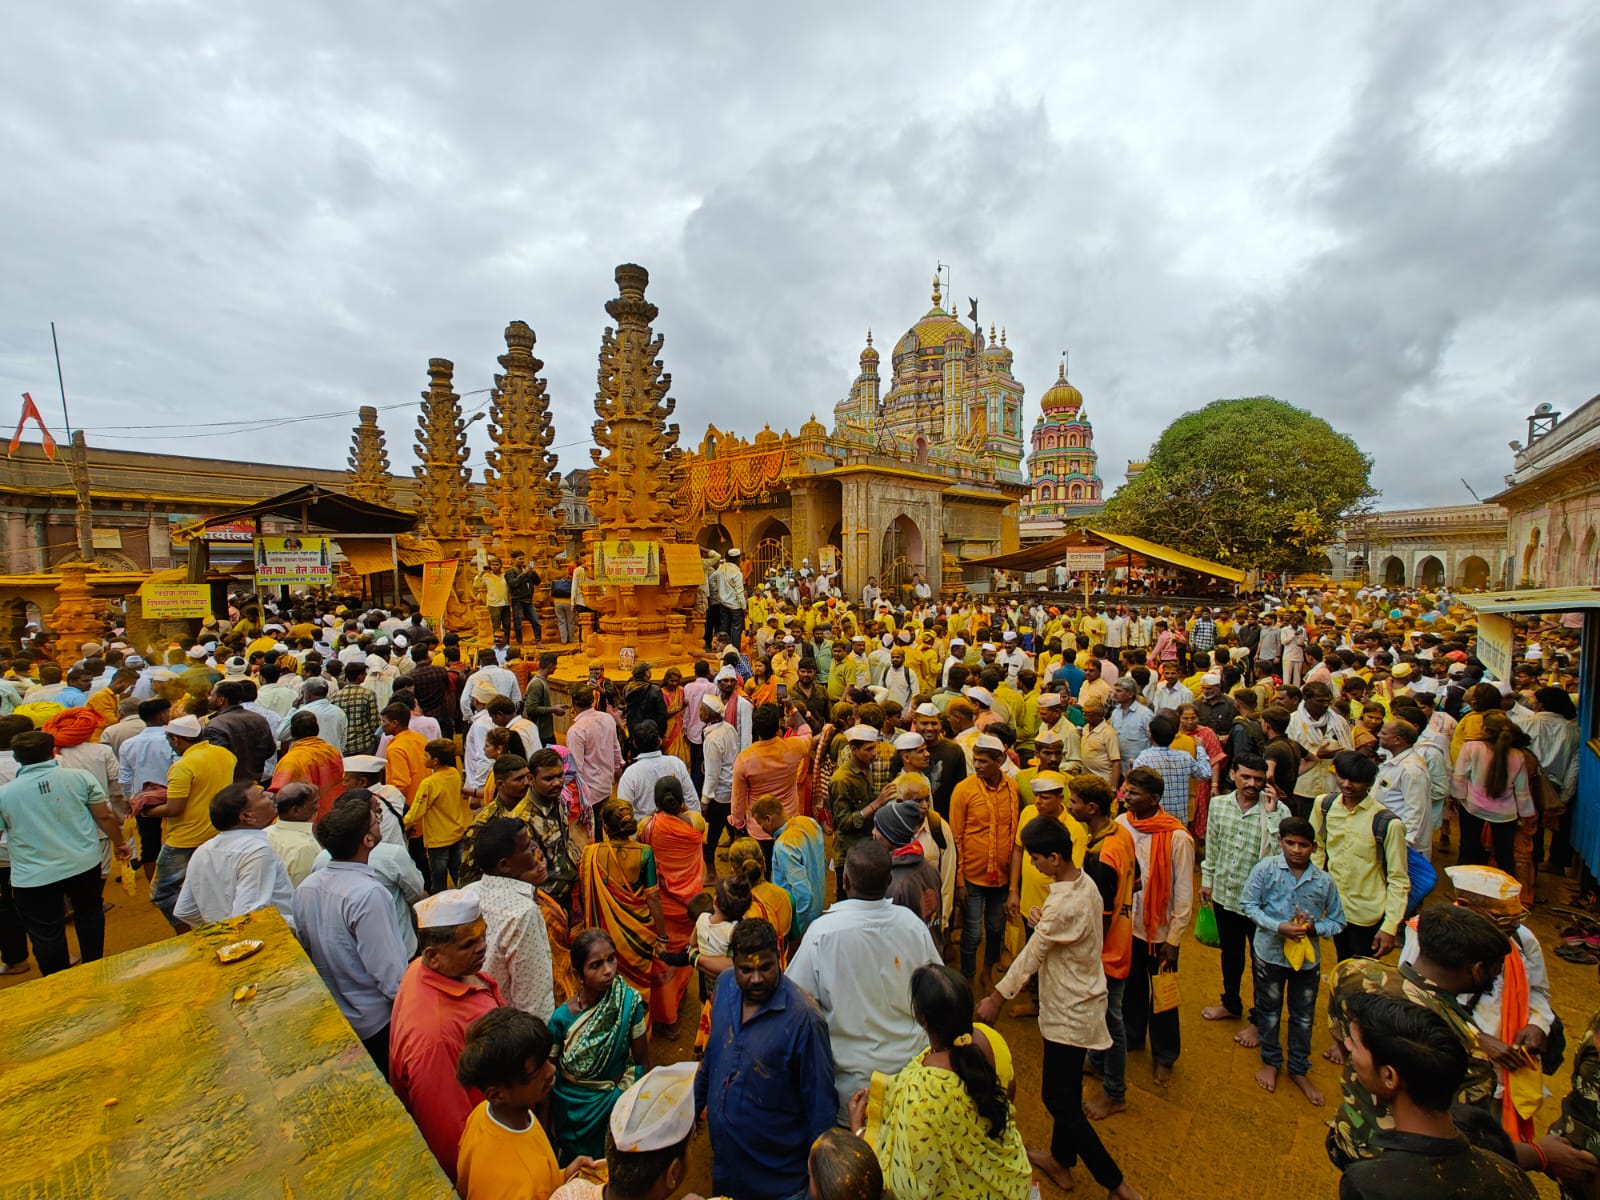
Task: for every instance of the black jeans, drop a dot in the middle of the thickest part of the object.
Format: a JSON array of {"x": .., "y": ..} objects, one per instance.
[
  {"x": 43, "y": 912},
  {"x": 1354, "y": 941},
  {"x": 1237, "y": 934},
  {"x": 1165, "y": 1042},
  {"x": 378, "y": 1047},
  {"x": 1073, "y": 1135},
  {"x": 1502, "y": 835},
  {"x": 523, "y": 610},
  {"x": 985, "y": 915},
  {"x": 13, "y": 937},
  {"x": 716, "y": 817}
]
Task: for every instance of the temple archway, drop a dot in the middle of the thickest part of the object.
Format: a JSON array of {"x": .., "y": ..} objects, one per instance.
[
  {"x": 902, "y": 556},
  {"x": 1473, "y": 573},
  {"x": 768, "y": 551},
  {"x": 1430, "y": 572},
  {"x": 714, "y": 537},
  {"x": 1563, "y": 573},
  {"x": 1394, "y": 572}
]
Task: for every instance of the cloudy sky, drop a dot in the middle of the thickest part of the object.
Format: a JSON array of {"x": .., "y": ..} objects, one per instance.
[{"x": 1388, "y": 214}]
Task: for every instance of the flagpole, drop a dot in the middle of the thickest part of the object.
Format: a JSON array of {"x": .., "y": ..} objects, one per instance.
[{"x": 60, "y": 383}]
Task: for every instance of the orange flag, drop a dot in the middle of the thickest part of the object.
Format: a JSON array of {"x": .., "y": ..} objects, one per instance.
[{"x": 29, "y": 409}]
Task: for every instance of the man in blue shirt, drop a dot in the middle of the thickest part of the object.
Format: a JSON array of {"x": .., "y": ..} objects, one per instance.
[
  {"x": 48, "y": 814},
  {"x": 1130, "y": 719},
  {"x": 1292, "y": 904},
  {"x": 347, "y": 921},
  {"x": 766, "y": 1081},
  {"x": 143, "y": 762}
]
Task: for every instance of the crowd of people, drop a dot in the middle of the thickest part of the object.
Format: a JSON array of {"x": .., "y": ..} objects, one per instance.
[{"x": 1025, "y": 810}]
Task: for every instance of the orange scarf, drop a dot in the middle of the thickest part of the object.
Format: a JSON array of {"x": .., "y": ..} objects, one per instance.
[
  {"x": 1513, "y": 1018},
  {"x": 73, "y": 726},
  {"x": 1158, "y": 883}
]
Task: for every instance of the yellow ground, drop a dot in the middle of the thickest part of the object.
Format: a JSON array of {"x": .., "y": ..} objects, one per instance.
[{"x": 1213, "y": 1134}]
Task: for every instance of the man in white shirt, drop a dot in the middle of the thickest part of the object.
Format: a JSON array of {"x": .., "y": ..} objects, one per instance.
[
  {"x": 332, "y": 723},
  {"x": 1170, "y": 692},
  {"x": 716, "y": 792},
  {"x": 518, "y": 956},
  {"x": 1405, "y": 785},
  {"x": 638, "y": 783},
  {"x": 237, "y": 871},
  {"x": 291, "y": 836},
  {"x": 274, "y": 694},
  {"x": 856, "y": 961},
  {"x": 1013, "y": 657},
  {"x": 727, "y": 682},
  {"x": 490, "y": 674}
]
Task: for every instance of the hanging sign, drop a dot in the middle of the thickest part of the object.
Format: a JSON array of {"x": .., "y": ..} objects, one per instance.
[
  {"x": 297, "y": 560},
  {"x": 626, "y": 561}
]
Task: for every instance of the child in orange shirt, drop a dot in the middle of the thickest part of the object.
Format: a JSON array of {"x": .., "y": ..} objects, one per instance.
[
  {"x": 504, "y": 1153},
  {"x": 440, "y": 812}
]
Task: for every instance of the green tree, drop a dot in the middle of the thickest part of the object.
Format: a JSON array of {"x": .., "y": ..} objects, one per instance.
[{"x": 1253, "y": 483}]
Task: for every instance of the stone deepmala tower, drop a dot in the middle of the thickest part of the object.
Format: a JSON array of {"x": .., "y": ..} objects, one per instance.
[
  {"x": 520, "y": 481},
  {"x": 637, "y": 471},
  {"x": 443, "y": 490},
  {"x": 369, "y": 461}
]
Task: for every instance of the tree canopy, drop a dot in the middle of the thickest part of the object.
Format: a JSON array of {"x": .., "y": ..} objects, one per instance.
[{"x": 1253, "y": 483}]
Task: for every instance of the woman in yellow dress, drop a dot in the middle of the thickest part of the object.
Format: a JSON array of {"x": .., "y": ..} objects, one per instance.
[{"x": 943, "y": 1127}]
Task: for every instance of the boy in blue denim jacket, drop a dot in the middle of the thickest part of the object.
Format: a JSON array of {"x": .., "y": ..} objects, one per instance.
[{"x": 1292, "y": 904}]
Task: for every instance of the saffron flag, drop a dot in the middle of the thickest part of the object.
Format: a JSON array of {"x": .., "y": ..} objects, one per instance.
[{"x": 29, "y": 409}]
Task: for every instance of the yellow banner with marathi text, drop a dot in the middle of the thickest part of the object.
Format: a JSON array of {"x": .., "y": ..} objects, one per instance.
[
  {"x": 627, "y": 560},
  {"x": 174, "y": 601},
  {"x": 437, "y": 580}
]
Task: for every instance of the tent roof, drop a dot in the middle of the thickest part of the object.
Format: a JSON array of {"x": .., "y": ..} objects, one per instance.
[
  {"x": 321, "y": 507},
  {"x": 1036, "y": 558},
  {"x": 1539, "y": 600}
]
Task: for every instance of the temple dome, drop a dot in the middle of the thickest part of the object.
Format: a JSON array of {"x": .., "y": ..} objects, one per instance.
[
  {"x": 1062, "y": 396},
  {"x": 935, "y": 328}
]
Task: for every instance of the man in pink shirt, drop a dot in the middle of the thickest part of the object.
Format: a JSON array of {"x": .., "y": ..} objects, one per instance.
[
  {"x": 769, "y": 767},
  {"x": 594, "y": 747},
  {"x": 694, "y": 728}
]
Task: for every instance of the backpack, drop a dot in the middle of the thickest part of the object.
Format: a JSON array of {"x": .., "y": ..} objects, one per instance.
[{"x": 1422, "y": 874}]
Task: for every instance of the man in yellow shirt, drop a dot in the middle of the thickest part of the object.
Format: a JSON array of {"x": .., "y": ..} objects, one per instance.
[
  {"x": 1028, "y": 884},
  {"x": 203, "y": 769}
]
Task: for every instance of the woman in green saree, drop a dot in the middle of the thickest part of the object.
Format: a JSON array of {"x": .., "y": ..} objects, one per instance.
[{"x": 602, "y": 1045}]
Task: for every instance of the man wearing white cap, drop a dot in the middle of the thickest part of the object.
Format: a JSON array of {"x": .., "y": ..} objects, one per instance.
[
  {"x": 647, "y": 1155},
  {"x": 1013, "y": 657},
  {"x": 736, "y": 706},
  {"x": 983, "y": 821},
  {"x": 203, "y": 769},
  {"x": 720, "y": 750},
  {"x": 1502, "y": 1033},
  {"x": 957, "y": 655},
  {"x": 442, "y": 993},
  {"x": 850, "y": 795}
]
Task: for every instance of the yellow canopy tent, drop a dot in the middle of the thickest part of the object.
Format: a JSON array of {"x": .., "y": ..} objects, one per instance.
[{"x": 1135, "y": 552}]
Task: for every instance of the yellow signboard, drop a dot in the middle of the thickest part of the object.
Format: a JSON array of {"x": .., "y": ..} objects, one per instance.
[
  {"x": 174, "y": 601},
  {"x": 437, "y": 580},
  {"x": 298, "y": 560},
  {"x": 683, "y": 565},
  {"x": 1495, "y": 636},
  {"x": 627, "y": 560}
]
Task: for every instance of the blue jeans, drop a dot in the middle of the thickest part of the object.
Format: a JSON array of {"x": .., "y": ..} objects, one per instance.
[
  {"x": 1272, "y": 981},
  {"x": 985, "y": 913},
  {"x": 442, "y": 859},
  {"x": 172, "y": 864},
  {"x": 1113, "y": 1063}
]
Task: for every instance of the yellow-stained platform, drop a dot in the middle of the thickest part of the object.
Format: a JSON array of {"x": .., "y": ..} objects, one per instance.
[{"x": 140, "y": 1076}]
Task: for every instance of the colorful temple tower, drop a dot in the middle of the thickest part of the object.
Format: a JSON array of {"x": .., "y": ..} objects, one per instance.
[
  {"x": 1064, "y": 479},
  {"x": 950, "y": 387}
]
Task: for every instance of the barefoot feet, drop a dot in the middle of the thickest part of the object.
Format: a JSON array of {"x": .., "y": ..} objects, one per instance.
[
  {"x": 1308, "y": 1089},
  {"x": 1248, "y": 1037},
  {"x": 1098, "y": 1108},
  {"x": 1044, "y": 1162},
  {"x": 1335, "y": 1055},
  {"x": 1267, "y": 1079},
  {"x": 1162, "y": 1074},
  {"x": 1215, "y": 1012}
]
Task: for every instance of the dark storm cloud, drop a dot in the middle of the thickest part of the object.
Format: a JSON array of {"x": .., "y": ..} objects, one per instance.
[{"x": 1385, "y": 215}]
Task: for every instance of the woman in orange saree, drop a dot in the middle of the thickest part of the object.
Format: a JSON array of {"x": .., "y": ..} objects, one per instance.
[
  {"x": 618, "y": 892},
  {"x": 558, "y": 928},
  {"x": 677, "y": 837},
  {"x": 673, "y": 739},
  {"x": 762, "y": 686}
]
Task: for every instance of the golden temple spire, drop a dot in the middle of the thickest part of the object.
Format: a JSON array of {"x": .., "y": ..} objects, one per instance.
[
  {"x": 936, "y": 303},
  {"x": 520, "y": 482},
  {"x": 369, "y": 461},
  {"x": 442, "y": 475},
  {"x": 1002, "y": 335},
  {"x": 991, "y": 333},
  {"x": 869, "y": 342}
]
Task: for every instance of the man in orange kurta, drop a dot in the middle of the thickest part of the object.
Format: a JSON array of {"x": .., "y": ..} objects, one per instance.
[
  {"x": 770, "y": 766},
  {"x": 311, "y": 760},
  {"x": 983, "y": 821}
]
